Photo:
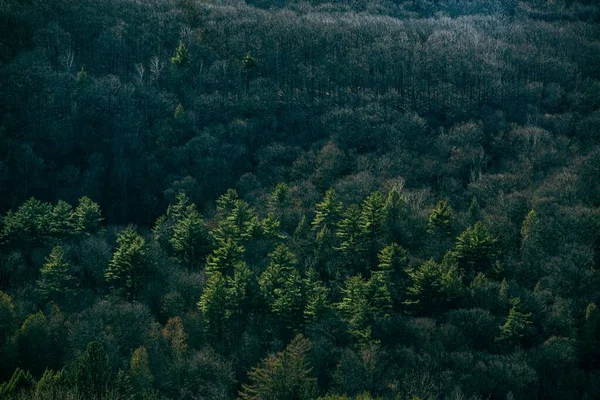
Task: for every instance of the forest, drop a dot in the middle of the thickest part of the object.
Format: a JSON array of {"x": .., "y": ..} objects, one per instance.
[{"x": 294, "y": 200}]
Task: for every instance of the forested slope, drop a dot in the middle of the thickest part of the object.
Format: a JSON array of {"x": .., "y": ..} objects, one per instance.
[{"x": 295, "y": 200}]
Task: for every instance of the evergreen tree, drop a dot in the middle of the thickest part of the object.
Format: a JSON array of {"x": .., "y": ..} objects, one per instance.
[
  {"x": 433, "y": 287},
  {"x": 283, "y": 376},
  {"x": 215, "y": 307},
  {"x": 139, "y": 369},
  {"x": 516, "y": 324},
  {"x": 91, "y": 376},
  {"x": 87, "y": 215},
  {"x": 351, "y": 236},
  {"x": 129, "y": 263},
  {"x": 55, "y": 279},
  {"x": 327, "y": 212},
  {"x": 281, "y": 286},
  {"x": 441, "y": 218},
  {"x": 356, "y": 308},
  {"x": 371, "y": 223},
  {"x": 475, "y": 249},
  {"x": 316, "y": 297},
  {"x": 224, "y": 258},
  {"x": 63, "y": 219},
  {"x": 31, "y": 223},
  {"x": 19, "y": 381},
  {"x": 181, "y": 58},
  {"x": 190, "y": 239}
]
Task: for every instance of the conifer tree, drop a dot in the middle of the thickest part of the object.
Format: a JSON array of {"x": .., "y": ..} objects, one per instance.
[
  {"x": 440, "y": 219},
  {"x": 351, "y": 236},
  {"x": 87, "y": 215},
  {"x": 371, "y": 223},
  {"x": 190, "y": 239},
  {"x": 475, "y": 249},
  {"x": 316, "y": 296},
  {"x": 215, "y": 307},
  {"x": 516, "y": 324},
  {"x": 55, "y": 279},
  {"x": 356, "y": 308},
  {"x": 181, "y": 58},
  {"x": 432, "y": 287},
  {"x": 224, "y": 258},
  {"x": 92, "y": 373},
  {"x": 283, "y": 376},
  {"x": 139, "y": 370},
  {"x": 63, "y": 219},
  {"x": 327, "y": 212},
  {"x": 128, "y": 264}
]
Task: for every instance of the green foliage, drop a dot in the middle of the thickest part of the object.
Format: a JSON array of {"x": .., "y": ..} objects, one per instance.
[
  {"x": 281, "y": 286},
  {"x": 181, "y": 58},
  {"x": 87, "y": 215},
  {"x": 475, "y": 249},
  {"x": 282, "y": 376},
  {"x": 224, "y": 258},
  {"x": 129, "y": 263},
  {"x": 19, "y": 381},
  {"x": 63, "y": 219},
  {"x": 396, "y": 211},
  {"x": 441, "y": 218},
  {"x": 433, "y": 287},
  {"x": 55, "y": 279},
  {"x": 51, "y": 385},
  {"x": 351, "y": 234},
  {"x": 31, "y": 222},
  {"x": 249, "y": 63},
  {"x": 190, "y": 238},
  {"x": 327, "y": 212},
  {"x": 91, "y": 373},
  {"x": 139, "y": 370},
  {"x": 316, "y": 297},
  {"x": 515, "y": 327}
]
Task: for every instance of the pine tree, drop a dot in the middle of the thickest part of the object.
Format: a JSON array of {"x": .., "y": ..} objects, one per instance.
[
  {"x": 181, "y": 58},
  {"x": 224, "y": 258},
  {"x": 92, "y": 373},
  {"x": 19, "y": 381},
  {"x": 351, "y": 236},
  {"x": 63, "y": 219},
  {"x": 371, "y": 222},
  {"x": 215, "y": 307},
  {"x": 433, "y": 287},
  {"x": 55, "y": 279},
  {"x": 226, "y": 203},
  {"x": 316, "y": 297},
  {"x": 87, "y": 215},
  {"x": 356, "y": 308},
  {"x": 283, "y": 376},
  {"x": 190, "y": 239},
  {"x": 281, "y": 287},
  {"x": 441, "y": 218},
  {"x": 475, "y": 249},
  {"x": 516, "y": 324},
  {"x": 327, "y": 212},
  {"x": 129, "y": 263}
]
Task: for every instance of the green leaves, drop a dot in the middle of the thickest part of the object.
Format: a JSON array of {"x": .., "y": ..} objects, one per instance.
[
  {"x": 516, "y": 324},
  {"x": 181, "y": 58}
]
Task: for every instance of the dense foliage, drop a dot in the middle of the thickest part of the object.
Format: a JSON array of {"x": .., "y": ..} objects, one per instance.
[{"x": 297, "y": 200}]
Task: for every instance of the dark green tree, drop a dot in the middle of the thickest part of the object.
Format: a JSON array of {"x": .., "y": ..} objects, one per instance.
[
  {"x": 129, "y": 263},
  {"x": 91, "y": 373},
  {"x": 87, "y": 215},
  {"x": 190, "y": 238},
  {"x": 516, "y": 325},
  {"x": 181, "y": 58},
  {"x": 55, "y": 279}
]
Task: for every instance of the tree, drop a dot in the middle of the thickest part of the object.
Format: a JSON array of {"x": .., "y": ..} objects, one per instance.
[
  {"x": 91, "y": 374},
  {"x": 371, "y": 223},
  {"x": 87, "y": 215},
  {"x": 181, "y": 58},
  {"x": 55, "y": 279},
  {"x": 282, "y": 376},
  {"x": 356, "y": 308},
  {"x": 391, "y": 270},
  {"x": 129, "y": 263},
  {"x": 19, "y": 381},
  {"x": 351, "y": 236},
  {"x": 30, "y": 223},
  {"x": 63, "y": 219},
  {"x": 139, "y": 369},
  {"x": 433, "y": 287},
  {"x": 316, "y": 297},
  {"x": 475, "y": 249},
  {"x": 440, "y": 219},
  {"x": 224, "y": 258},
  {"x": 516, "y": 324},
  {"x": 281, "y": 287},
  {"x": 190, "y": 239},
  {"x": 327, "y": 212},
  {"x": 215, "y": 307}
]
